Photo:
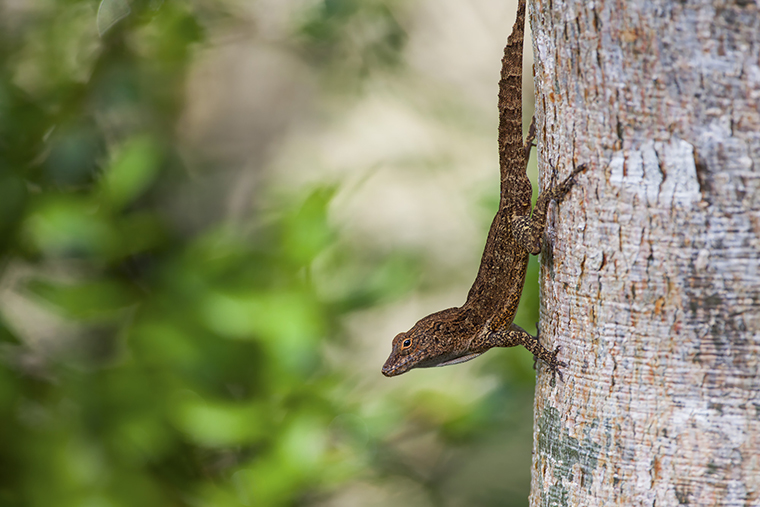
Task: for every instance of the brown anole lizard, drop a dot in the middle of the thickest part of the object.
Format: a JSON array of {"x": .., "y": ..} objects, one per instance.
[{"x": 459, "y": 334}]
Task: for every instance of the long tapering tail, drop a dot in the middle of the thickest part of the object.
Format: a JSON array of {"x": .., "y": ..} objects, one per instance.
[{"x": 511, "y": 153}]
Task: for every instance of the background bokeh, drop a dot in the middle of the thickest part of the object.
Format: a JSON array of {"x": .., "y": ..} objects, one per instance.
[{"x": 214, "y": 217}]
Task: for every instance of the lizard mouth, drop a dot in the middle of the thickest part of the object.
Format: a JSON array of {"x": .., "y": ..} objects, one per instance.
[
  {"x": 389, "y": 372},
  {"x": 391, "y": 368}
]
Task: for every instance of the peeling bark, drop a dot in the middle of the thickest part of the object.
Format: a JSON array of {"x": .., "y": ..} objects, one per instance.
[{"x": 651, "y": 285}]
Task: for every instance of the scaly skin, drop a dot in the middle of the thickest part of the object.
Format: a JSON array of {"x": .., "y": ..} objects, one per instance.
[{"x": 459, "y": 334}]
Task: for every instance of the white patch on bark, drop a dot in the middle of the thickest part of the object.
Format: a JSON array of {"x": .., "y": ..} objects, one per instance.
[{"x": 662, "y": 174}]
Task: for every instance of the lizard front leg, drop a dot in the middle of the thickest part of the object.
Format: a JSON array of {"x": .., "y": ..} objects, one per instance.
[
  {"x": 529, "y": 230},
  {"x": 515, "y": 335},
  {"x": 529, "y": 141}
]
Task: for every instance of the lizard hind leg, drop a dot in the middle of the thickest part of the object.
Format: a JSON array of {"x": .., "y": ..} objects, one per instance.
[
  {"x": 529, "y": 230},
  {"x": 515, "y": 335}
]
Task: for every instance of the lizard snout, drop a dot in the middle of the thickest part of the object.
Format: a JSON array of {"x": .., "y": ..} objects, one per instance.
[{"x": 388, "y": 369}]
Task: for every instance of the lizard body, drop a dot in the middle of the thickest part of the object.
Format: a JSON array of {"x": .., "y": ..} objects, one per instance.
[{"x": 484, "y": 321}]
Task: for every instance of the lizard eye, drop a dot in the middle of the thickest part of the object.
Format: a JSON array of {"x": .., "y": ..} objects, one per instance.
[{"x": 406, "y": 343}]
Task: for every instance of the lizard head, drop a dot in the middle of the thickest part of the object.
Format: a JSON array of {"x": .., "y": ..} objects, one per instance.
[{"x": 427, "y": 344}]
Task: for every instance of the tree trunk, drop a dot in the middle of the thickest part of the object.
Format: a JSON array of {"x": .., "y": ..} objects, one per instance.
[{"x": 651, "y": 273}]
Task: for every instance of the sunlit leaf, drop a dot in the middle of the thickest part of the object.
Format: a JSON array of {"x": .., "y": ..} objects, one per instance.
[
  {"x": 303, "y": 443},
  {"x": 288, "y": 316},
  {"x": 307, "y": 232},
  {"x": 111, "y": 12},
  {"x": 267, "y": 482},
  {"x": 218, "y": 424},
  {"x": 132, "y": 171}
]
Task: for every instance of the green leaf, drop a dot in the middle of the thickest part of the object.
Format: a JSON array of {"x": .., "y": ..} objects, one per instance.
[
  {"x": 132, "y": 171},
  {"x": 288, "y": 323},
  {"x": 87, "y": 300},
  {"x": 68, "y": 225},
  {"x": 111, "y": 12},
  {"x": 217, "y": 424},
  {"x": 307, "y": 232}
]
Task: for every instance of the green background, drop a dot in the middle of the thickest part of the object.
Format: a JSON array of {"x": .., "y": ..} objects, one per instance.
[{"x": 194, "y": 359}]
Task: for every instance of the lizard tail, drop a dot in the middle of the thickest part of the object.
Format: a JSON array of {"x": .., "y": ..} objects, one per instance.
[{"x": 511, "y": 150}]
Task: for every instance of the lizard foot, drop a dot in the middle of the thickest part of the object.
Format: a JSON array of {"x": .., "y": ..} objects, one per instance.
[
  {"x": 550, "y": 358},
  {"x": 555, "y": 364},
  {"x": 566, "y": 185}
]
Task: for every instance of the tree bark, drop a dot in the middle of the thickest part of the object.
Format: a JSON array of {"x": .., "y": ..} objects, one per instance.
[{"x": 651, "y": 273}]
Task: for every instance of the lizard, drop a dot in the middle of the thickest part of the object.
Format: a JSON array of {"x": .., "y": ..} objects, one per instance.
[{"x": 485, "y": 320}]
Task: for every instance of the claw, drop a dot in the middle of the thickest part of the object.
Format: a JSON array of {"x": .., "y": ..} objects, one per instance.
[
  {"x": 555, "y": 365},
  {"x": 579, "y": 169},
  {"x": 569, "y": 182}
]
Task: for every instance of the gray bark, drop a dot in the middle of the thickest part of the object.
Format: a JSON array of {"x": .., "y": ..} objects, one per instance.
[{"x": 651, "y": 276}]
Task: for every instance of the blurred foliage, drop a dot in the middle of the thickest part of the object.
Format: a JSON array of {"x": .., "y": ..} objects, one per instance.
[
  {"x": 196, "y": 373},
  {"x": 359, "y": 33}
]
